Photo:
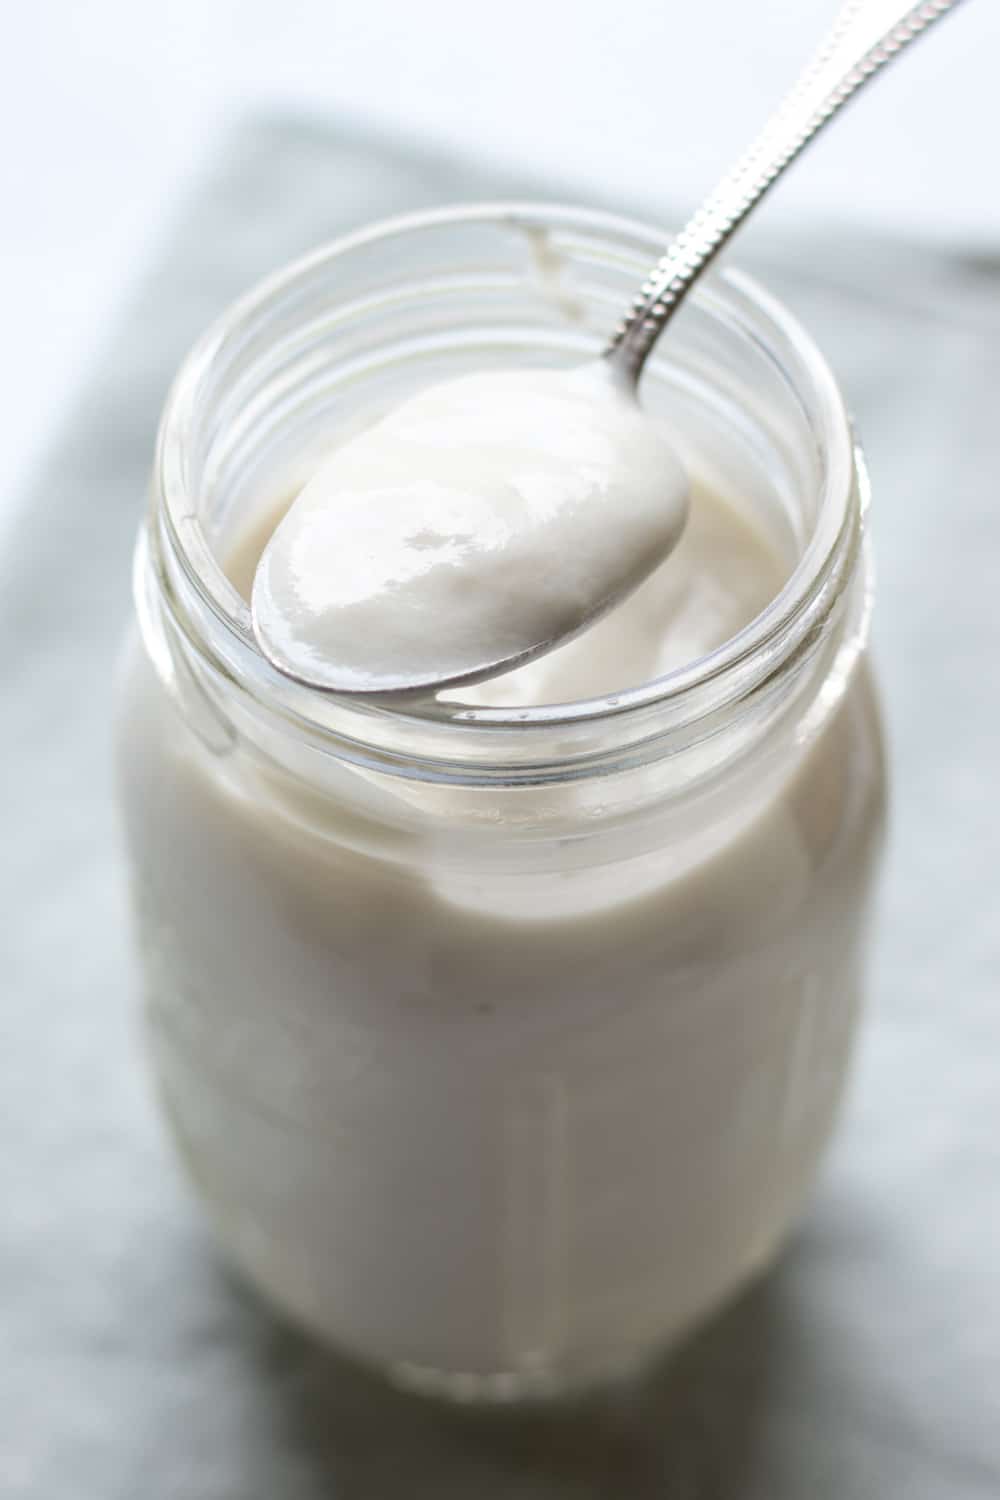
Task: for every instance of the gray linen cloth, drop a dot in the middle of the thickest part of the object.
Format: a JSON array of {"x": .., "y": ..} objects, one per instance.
[{"x": 868, "y": 1365}]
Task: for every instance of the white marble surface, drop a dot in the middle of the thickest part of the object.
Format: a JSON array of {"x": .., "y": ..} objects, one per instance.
[{"x": 108, "y": 108}]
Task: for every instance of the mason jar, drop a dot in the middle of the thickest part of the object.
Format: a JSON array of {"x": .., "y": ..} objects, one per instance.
[{"x": 500, "y": 1044}]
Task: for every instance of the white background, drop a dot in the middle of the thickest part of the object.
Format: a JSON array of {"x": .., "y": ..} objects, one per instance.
[{"x": 107, "y": 106}]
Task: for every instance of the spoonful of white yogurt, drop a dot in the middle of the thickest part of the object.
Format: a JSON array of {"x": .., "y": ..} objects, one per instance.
[{"x": 492, "y": 517}]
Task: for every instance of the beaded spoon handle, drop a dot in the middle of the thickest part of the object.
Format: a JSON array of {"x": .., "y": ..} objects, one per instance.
[{"x": 819, "y": 94}]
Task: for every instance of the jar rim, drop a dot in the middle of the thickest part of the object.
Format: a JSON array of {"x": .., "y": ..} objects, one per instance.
[{"x": 674, "y": 691}]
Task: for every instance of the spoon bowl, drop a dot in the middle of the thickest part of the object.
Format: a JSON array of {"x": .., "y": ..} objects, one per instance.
[{"x": 394, "y": 575}]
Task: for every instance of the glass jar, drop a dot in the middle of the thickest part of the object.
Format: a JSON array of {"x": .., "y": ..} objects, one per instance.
[{"x": 500, "y": 1044}]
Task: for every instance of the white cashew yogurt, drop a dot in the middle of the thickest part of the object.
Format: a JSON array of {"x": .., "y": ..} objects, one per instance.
[
  {"x": 493, "y": 1086},
  {"x": 474, "y": 524}
]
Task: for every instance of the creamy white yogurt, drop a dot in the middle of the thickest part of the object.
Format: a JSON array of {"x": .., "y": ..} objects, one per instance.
[
  {"x": 502, "y": 1052},
  {"x": 721, "y": 574},
  {"x": 478, "y": 522},
  {"x": 503, "y": 1118}
]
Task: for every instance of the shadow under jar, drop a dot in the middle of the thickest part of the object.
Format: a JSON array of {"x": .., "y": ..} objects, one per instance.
[{"x": 501, "y": 1044}]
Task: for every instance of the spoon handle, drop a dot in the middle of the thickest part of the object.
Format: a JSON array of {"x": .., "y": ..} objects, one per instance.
[{"x": 820, "y": 92}]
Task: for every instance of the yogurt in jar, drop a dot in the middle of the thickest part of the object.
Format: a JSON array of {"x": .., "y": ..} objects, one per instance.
[
  {"x": 503, "y": 1124},
  {"x": 500, "y": 1054}
]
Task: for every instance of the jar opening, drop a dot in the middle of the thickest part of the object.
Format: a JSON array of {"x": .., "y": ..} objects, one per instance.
[{"x": 457, "y": 284}]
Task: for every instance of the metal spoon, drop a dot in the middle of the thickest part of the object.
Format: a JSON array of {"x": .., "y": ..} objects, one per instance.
[
  {"x": 834, "y": 76},
  {"x": 847, "y": 58}
]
